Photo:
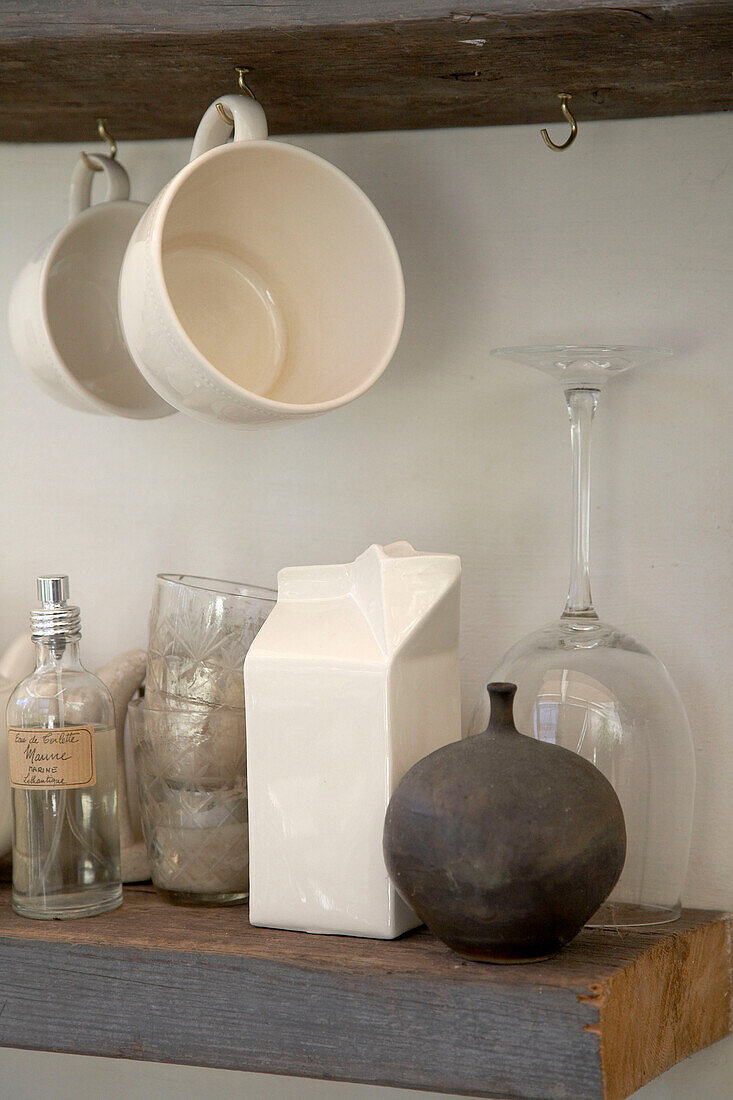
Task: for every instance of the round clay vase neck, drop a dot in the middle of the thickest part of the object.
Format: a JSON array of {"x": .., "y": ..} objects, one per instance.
[{"x": 502, "y": 708}]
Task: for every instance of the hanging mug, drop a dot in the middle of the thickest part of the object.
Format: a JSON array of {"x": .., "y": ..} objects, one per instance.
[
  {"x": 63, "y": 319},
  {"x": 262, "y": 285}
]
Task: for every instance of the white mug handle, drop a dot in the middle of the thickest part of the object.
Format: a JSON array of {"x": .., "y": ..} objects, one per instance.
[
  {"x": 80, "y": 191},
  {"x": 250, "y": 123}
]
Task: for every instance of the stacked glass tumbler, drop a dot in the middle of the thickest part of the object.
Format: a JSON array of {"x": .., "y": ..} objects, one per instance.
[{"x": 188, "y": 735}]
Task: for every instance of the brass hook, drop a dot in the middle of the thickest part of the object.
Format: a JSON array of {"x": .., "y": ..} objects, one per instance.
[
  {"x": 111, "y": 145},
  {"x": 106, "y": 136},
  {"x": 243, "y": 85},
  {"x": 224, "y": 112},
  {"x": 563, "y": 97}
]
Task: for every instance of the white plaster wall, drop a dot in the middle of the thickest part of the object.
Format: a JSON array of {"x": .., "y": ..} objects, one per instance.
[{"x": 626, "y": 238}]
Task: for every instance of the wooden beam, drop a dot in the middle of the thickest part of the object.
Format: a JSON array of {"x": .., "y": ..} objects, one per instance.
[
  {"x": 202, "y": 987},
  {"x": 153, "y": 68}
]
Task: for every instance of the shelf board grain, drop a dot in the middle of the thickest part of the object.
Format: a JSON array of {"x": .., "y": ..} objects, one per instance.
[
  {"x": 202, "y": 987},
  {"x": 351, "y": 65}
]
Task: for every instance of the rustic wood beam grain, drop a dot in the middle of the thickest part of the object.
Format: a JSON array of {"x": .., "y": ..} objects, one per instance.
[{"x": 339, "y": 66}]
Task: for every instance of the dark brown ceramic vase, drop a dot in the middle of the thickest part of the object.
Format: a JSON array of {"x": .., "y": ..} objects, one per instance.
[{"x": 505, "y": 846}]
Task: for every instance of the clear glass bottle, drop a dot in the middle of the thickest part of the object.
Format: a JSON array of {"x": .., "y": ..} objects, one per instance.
[{"x": 63, "y": 771}]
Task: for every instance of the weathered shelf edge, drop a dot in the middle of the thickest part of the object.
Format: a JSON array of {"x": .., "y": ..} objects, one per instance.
[
  {"x": 546, "y": 1031},
  {"x": 357, "y": 66},
  {"x": 679, "y": 1000}
]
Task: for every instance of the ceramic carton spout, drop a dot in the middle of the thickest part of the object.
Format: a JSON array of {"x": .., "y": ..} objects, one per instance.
[{"x": 400, "y": 590}]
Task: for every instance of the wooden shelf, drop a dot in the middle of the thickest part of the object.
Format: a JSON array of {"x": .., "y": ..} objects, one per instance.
[
  {"x": 355, "y": 65},
  {"x": 202, "y": 987}
]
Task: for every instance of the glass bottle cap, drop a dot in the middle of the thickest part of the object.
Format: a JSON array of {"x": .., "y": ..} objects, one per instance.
[
  {"x": 56, "y": 617},
  {"x": 53, "y": 590}
]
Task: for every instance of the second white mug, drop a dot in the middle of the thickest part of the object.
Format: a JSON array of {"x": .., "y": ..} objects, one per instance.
[
  {"x": 63, "y": 319},
  {"x": 262, "y": 284}
]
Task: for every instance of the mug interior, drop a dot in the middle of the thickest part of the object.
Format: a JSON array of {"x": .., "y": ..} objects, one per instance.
[
  {"x": 282, "y": 273},
  {"x": 80, "y": 303}
]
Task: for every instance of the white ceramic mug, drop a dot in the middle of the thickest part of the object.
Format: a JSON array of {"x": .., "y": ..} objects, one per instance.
[
  {"x": 262, "y": 284},
  {"x": 63, "y": 320}
]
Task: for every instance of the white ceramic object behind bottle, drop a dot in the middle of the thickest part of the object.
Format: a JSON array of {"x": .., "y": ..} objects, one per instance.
[
  {"x": 261, "y": 285},
  {"x": 17, "y": 662},
  {"x": 62, "y": 316},
  {"x": 352, "y": 679},
  {"x": 124, "y": 677}
]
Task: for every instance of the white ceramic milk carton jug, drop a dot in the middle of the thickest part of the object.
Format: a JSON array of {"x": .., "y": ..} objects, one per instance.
[{"x": 352, "y": 679}]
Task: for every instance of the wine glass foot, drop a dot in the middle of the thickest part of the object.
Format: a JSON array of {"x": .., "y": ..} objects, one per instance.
[
  {"x": 613, "y": 915},
  {"x": 575, "y": 366}
]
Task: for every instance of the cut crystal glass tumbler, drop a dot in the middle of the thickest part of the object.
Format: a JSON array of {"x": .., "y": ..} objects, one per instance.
[
  {"x": 200, "y": 632},
  {"x": 190, "y": 763}
]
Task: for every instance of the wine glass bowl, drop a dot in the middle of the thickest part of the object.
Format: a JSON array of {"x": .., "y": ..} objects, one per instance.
[{"x": 589, "y": 687}]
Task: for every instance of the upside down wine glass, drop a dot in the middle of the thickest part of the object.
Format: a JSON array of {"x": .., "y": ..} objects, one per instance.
[{"x": 586, "y": 686}]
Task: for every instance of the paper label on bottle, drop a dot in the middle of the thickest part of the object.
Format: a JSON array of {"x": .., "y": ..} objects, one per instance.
[{"x": 52, "y": 759}]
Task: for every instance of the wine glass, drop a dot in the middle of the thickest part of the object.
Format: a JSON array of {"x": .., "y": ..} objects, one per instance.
[{"x": 586, "y": 686}]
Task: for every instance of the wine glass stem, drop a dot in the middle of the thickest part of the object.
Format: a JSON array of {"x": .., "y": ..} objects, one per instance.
[{"x": 581, "y": 407}]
